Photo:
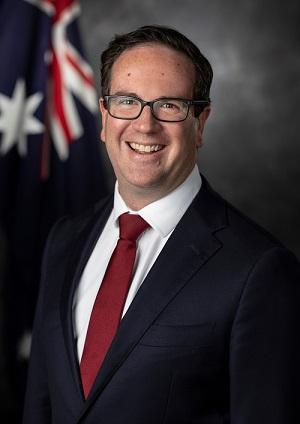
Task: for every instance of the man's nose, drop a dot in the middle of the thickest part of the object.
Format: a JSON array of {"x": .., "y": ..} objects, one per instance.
[{"x": 146, "y": 122}]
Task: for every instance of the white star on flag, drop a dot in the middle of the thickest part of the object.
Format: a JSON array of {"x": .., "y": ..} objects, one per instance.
[{"x": 17, "y": 119}]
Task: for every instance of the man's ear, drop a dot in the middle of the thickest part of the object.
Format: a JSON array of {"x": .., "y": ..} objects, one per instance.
[
  {"x": 103, "y": 112},
  {"x": 201, "y": 122}
]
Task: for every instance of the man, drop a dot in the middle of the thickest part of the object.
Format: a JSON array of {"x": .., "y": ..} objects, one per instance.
[{"x": 210, "y": 312}]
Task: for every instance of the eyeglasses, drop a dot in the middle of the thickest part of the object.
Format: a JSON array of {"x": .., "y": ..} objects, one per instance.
[{"x": 166, "y": 109}]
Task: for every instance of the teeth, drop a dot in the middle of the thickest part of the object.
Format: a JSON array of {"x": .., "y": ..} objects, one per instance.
[{"x": 141, "y": 148}]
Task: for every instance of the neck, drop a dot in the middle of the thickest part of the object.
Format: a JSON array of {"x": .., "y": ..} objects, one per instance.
[
  {"x": 137, "y": 197},
  {"x": 138, "y": 200}
]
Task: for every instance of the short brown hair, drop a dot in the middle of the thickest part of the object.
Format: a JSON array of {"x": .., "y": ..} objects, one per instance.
[{"x": 162, "y": 35}]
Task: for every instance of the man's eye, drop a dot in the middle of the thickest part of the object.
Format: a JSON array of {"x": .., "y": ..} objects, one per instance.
[
  {"x": 127, "y": 102},
  {"x": 169, "y": 105}
]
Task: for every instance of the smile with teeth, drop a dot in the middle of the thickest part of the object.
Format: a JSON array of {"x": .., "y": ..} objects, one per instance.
[{"x": 142, "y": 148}]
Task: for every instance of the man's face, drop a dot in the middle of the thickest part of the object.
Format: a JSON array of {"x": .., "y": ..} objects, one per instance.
[{"x": 149, "y": 72}]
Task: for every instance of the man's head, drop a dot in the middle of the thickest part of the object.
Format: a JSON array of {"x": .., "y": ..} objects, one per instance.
[
  {"x": 168, "y": 37},
  {"x": 150, "y": 125}
]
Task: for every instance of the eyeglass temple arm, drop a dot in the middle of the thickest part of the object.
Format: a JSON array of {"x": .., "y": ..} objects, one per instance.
[{"x": 200, "y": 102}]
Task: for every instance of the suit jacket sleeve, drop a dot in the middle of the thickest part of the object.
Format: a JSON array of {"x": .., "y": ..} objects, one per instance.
[{"x": 264, "y": 348}]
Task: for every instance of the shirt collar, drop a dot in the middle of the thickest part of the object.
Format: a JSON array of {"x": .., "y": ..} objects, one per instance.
[{"x": 164, "y": 214}]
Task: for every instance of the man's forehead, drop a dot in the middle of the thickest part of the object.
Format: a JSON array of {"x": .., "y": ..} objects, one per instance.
[
  {"x": 155, "y": 49},
  {"x": 152, "y": 60}
]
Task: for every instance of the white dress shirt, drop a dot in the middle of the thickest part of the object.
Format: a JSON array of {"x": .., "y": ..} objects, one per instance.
[{"x": 162, "y": 215}]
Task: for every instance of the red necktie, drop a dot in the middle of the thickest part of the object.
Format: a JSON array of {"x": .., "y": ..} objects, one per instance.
[{"x": 110, "y": 299}]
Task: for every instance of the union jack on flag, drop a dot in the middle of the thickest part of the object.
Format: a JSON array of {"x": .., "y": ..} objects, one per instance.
[{"x": 50, "y": 162}]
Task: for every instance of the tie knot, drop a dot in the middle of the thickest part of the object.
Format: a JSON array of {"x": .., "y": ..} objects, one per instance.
[{"x": 131, "y": 226}]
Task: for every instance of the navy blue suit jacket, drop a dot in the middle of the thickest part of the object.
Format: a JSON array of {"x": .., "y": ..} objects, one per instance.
[{"x": 211, "y": 337}]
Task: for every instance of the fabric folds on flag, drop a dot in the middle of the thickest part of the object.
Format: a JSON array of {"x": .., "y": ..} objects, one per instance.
[{"x": 50, "y": 162}]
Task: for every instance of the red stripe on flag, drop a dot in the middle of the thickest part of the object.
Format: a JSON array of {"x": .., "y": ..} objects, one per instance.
[
  {"x": 60, "y": 6},
  {"x": 58, "y": 97},
  {"x": 84, "y": 75}
]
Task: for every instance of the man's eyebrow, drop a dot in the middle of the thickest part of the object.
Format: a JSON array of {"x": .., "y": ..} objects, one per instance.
[
  {"x": 131, "y": 94},
  {"x": 125, "y": 93}
]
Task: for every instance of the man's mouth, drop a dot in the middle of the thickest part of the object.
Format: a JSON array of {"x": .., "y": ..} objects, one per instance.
[{"x": 146, "y": 148}]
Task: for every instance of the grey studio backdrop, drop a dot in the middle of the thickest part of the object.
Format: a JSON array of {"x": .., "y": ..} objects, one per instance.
[{"x": 251, "y": 149}]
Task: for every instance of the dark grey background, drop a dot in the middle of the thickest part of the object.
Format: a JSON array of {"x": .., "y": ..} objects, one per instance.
[{"x": 251, "y": 150}]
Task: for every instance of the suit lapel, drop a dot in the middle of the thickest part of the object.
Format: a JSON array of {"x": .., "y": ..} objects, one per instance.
[
  {"x": 190, "y": 246},
  {"x": 81, "y": 249}
]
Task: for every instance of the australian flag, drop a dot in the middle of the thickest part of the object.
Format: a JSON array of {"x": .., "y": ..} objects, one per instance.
[{"x": 50, "y": 161}]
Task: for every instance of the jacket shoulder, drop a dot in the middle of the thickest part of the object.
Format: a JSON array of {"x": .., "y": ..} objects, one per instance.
[
  {"x": 239, "y": 232},
  {"x": 72, "y": 225},
  {"x": 70, "y": 229}
]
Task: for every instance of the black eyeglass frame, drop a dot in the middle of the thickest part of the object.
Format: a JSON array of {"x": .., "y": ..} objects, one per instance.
[{"x": 199, "y": 103}]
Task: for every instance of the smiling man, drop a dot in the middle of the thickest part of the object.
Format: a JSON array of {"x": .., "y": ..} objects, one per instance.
[{"x": 163, "y": 304}]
